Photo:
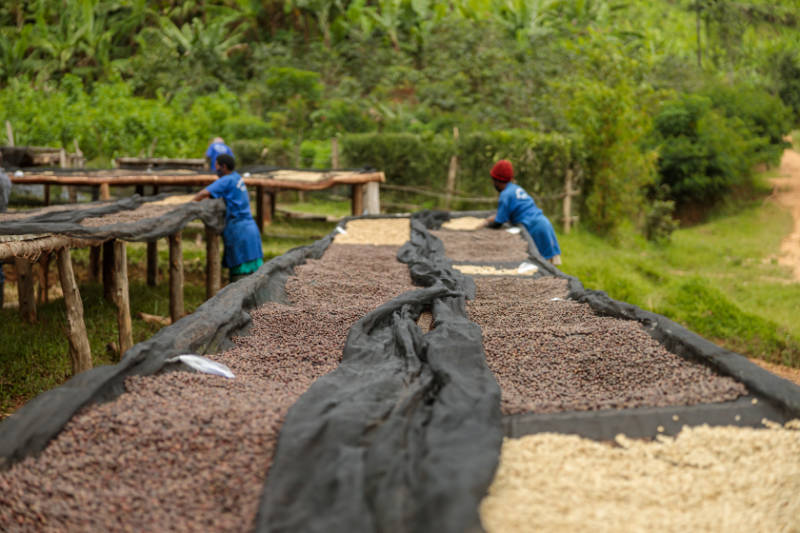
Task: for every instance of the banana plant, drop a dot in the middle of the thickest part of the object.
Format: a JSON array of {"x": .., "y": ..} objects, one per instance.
[
  {"x": 15, "y": 51},
  {"x": 201, "y": 41},
  {"x": 324, "y": 11}
]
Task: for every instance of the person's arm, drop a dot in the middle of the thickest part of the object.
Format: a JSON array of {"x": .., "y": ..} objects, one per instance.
[{"x": 202, "y": 195}]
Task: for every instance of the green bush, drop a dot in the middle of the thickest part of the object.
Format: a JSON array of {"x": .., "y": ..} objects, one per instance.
[
  {"x": 702, "y": 153},
  {"x": 764, "y": 116},
  {"x": 405, "y": 158},
  {"x": 247, "y": 151},
  {"x": 786, "y": 66},
  {"x": 611, "y": 118}
]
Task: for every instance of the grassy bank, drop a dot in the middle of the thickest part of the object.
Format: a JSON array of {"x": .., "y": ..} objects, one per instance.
[{"x": 720, "y": 279}]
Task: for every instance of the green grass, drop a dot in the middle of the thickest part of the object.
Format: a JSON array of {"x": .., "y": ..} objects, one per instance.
[{"x": 720, "y": 279}]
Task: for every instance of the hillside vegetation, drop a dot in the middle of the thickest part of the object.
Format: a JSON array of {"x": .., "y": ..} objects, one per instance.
[{"x": 619, "y": 93}]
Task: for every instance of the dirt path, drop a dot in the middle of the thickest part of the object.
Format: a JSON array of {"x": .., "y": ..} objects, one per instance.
[{"x": 787, "y": 194}]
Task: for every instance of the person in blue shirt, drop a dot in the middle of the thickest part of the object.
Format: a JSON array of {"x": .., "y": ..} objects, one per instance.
[
  {"x": 243, "y": 254},
  {"x": 516, "y": 206},
  {"x": 216, "y": 148}
]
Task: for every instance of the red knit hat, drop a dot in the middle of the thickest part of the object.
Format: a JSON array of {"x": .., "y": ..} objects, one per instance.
[{"x": 502, "y": 170}]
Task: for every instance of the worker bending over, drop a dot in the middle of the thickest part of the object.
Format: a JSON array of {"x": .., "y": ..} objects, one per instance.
[
  {"x": 242, "y": 240},
  {"x": 216, "y": 148},
  {"x": 516, "y": 206}
]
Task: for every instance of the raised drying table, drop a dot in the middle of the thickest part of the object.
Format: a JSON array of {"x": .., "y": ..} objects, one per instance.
[{"x": 363, "y": 184}]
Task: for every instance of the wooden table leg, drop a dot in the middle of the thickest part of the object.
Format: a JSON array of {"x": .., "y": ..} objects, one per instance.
[
  {"x": 152, "y": 263},
  {"x": 357, "y": 199},
  {"x": 79, "y": 351},
  {"x": 27, "y": 295},
  {"x": 175, "y": 277},
  {"x": 260, "y": 208},
  {"x": 213, "y": 263},
  {"x": 122, "y": 297},
  {"x": 94, "y": 263},
  {"x": 269, "y": 213},
  {"x": 108, "y": 270},
  {"x": 44, "y": 278}
]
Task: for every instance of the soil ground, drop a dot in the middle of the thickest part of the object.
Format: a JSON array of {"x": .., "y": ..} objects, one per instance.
[{"x": 787, "y": 194}]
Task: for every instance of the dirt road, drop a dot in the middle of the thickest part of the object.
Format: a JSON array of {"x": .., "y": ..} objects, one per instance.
[{"x": 787, "y": 194}]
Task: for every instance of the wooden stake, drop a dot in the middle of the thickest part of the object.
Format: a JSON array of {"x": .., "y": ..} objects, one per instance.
[
  {"x": 451, "y": 172},
  {"x": 79, "y": 350},
  {"x": 27, "y": 295},
  {"x": 175, "y": 277},
  {"x": 152, "y": 263},
  {"x": 9, "y": 133},
  {"x": 108, "y": 270},
  {"x": 568, "y": 192},
  {"x": 334, "y": 153},
  {"x": 46, "y": 194},
  {"x": 105, "y": 191},
  {"x": 213, "y": 263},
  {"x": 122, "y": 297}
]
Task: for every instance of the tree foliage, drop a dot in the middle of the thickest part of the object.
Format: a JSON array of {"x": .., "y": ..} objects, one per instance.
[{"x": 279, "y": 78}]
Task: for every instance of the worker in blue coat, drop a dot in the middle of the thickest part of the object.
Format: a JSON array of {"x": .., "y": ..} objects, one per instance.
[
  {"x": 243, "y": 254},
  {"x": 516, "y": 206},
  {"x": 216, "y": 148}
]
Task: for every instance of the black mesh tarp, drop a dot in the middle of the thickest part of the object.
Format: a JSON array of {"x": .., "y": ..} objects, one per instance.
[
  {"x": 405, "y": 434},
  {"x": 67, "y": 222}
]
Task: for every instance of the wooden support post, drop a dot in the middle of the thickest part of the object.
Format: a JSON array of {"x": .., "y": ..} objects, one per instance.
[
  {"x": 175, "y": 277},
  {"x": 140, "y": 190},
  {"x": 79, "y": 160},
  {"x": 335, "y": 153},
  {"x": 152, "y": 263},
  {"x": 9, "y": 133},
  {"x": 27, "y": 296},
  {"x": 44, "y": 278},
  {"x": 372, "y": 197},
  {"x": 568, "y": 192},
  {"x": 94, "y": 264},
  {"x": 122, "y": 297},
  {"x": 79, "y": 350},
  {"x": 451, "y": 172},
  {"x": 213, "y": 263},
  {"x": 357, "y": 199},
  {"x": 46, "y": 194},
  {"x": 72, "y": 191},
  {"x": 105, "y": 191},
  {"x": 260, "y": 208},
  {"x": 108, "y": 270}
]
